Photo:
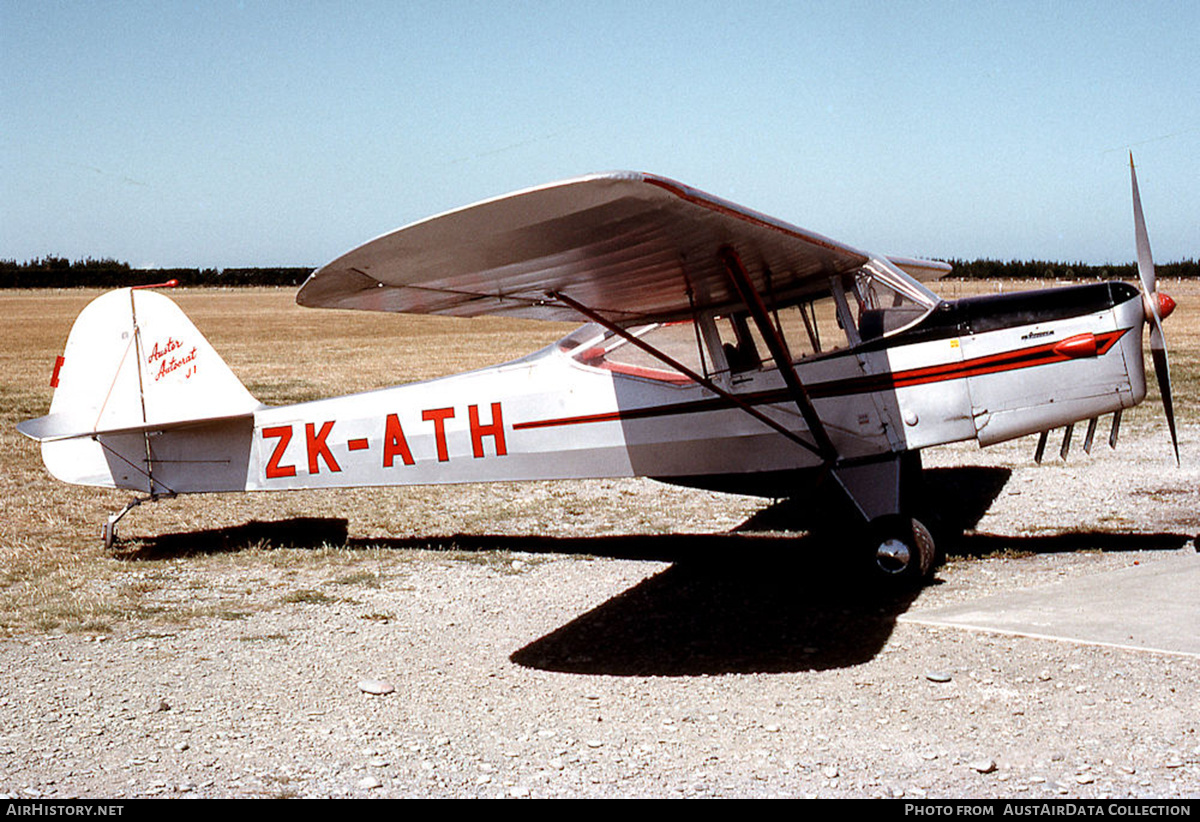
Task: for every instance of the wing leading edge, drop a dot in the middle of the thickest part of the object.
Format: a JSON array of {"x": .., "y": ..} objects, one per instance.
[{"x": 633, "y": 246}]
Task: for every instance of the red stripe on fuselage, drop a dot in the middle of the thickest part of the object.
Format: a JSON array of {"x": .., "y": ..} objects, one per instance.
[{"x": 995, "y": 363}]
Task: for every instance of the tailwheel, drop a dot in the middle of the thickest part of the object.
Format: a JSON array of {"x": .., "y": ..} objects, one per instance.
[{"x": 902, "y": 550}]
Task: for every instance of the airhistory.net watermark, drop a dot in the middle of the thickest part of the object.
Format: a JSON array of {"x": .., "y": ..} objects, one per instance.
[{"x": 26, "y": 808}]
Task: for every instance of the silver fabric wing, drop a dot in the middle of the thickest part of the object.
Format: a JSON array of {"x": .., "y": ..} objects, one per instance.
[{"x": 635, "y": 247}]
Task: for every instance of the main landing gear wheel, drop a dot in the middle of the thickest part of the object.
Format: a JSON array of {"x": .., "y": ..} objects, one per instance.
[{"x": 902, "y": 550}]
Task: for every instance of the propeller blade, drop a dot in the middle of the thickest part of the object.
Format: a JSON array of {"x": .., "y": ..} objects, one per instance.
[
  {"x": 1158, "y": 343},
  {"x": 1162, "y": 372},
  {"x": 1144, "y": 258}
]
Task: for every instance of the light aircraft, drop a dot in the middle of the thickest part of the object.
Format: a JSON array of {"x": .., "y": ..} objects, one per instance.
[{"x": 724, "y": 349}]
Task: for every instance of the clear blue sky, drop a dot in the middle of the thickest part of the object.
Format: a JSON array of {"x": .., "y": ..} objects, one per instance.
[{"x": 221, "y": 134}]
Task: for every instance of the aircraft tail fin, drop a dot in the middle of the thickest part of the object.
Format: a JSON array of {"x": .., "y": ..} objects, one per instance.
[{"x": 133, "y": 364}]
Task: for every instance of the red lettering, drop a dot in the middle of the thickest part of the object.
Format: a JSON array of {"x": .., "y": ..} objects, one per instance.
[
  {"x": 394, "y": 443},
  {"x": 158, "y": 353},
  {"x": 274, "y": 469},
  {"x": 495, "y": 430},
  {"x": 439, "y": 416},
  {"x": 317, "y": 448}
]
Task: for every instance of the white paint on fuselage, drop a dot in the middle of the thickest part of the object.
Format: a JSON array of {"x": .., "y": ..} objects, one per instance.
[{"x": 547, "y": 416}]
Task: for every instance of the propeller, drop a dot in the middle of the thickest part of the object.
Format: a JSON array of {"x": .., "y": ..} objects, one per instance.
[{"x": 1157, "y": 307}]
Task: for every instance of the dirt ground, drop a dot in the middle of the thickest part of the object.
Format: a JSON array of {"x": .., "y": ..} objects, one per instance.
[{"x": 602, "y": 638}]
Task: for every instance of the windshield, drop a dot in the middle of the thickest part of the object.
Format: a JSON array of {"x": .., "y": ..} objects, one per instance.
[
  {"x": 888, "y": 299},
  {"x": 883, "y": 309}
]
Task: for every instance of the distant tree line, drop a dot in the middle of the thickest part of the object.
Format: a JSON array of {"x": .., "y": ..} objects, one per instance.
[
  {"x": 1044, "y": 270},
  {"x": 59, "y": 272}
]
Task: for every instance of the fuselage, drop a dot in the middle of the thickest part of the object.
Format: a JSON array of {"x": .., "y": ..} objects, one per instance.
[{"x": 985, "y": 368}]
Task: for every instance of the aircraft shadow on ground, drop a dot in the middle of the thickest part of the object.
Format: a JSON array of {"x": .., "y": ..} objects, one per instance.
[
  {"x": 760, "y": 599},
  {"x": 749, "y": 612}
]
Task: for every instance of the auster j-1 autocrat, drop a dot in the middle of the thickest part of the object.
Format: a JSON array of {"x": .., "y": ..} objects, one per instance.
[{"x": 723, "y": 349}]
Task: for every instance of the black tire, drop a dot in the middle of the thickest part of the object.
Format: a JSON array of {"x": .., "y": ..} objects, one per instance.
[{"x": 901, "y": 551}]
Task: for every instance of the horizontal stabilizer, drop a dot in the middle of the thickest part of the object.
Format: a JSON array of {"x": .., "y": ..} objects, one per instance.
[{"x": 67, "y": 426}]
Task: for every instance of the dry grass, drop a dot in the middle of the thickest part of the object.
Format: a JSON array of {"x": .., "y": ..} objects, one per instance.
[
  {"x": 56, "y": 576},
  {"x": 54, "y": 571}
]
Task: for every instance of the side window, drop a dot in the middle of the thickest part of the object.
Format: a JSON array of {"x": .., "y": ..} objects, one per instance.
[
  {"x": 741, "y": 343},
  {"x": 812, "y": 325},
  {"x": 677, "y": 340}
]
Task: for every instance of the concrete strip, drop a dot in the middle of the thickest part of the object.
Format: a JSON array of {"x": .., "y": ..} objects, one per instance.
[{"x": 1151, "y": 607}]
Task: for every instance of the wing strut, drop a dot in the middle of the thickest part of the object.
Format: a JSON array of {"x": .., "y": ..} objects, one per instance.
[
  {"x": 687, "y": 372},
  {"x": 779, "y": 351}
]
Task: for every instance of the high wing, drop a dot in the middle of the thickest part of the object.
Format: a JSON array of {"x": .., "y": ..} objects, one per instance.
[{"x": 634, "y": 247}]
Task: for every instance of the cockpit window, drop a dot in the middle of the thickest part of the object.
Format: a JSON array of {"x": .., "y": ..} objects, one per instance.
[
  {"x": 594, "y": 346},
  {"x": 584, "y": 335}
]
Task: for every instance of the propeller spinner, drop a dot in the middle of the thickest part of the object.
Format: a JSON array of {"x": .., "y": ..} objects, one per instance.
[{"x": 1158, "y": 307}]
